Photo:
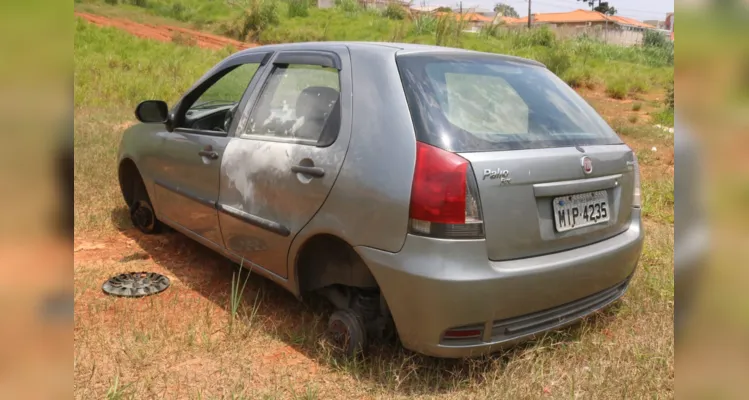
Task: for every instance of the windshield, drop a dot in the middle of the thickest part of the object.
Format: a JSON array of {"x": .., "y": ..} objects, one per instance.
[{"x": 464, "y": 102}]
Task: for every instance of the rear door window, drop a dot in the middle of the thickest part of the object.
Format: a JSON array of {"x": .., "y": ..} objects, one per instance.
[
  {"x": 465, "y": 102},
  {"x": 299, "y": 103}
]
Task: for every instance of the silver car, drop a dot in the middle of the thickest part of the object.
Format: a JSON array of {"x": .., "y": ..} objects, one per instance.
[{"x": 461, "y": 200}]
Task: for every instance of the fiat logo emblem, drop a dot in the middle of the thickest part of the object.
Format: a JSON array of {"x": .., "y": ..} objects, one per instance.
[{"x": 587, "y": 165}]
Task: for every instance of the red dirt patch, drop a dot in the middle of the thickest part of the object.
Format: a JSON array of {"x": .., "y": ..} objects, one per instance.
[{"x": 166, "y": 33}]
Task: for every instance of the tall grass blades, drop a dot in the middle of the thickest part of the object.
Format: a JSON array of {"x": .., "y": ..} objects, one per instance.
[
  {"x": 236, "y": 291},
  {"x": 542, "y": 36},
  {"x": 348, "y": 6},
  {"x": 256, "y": 16},
  {"x": 557, "y": 61},
  {"x": 297, "y": 8},
  {"x": 618, "y": 89},
  {"x": 424, "y": 24},
  {"x": 449, "y": 30}
]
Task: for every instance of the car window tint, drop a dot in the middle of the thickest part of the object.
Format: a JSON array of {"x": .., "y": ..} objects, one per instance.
[
  {"x": 484, "y": 103},
  {"x": 466, "y": 102},
  {"x": 229, "y": 89},
  {"x": 298, "y": 102}
]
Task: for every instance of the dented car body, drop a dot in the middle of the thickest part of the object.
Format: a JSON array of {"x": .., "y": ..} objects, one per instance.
[{"x": 438, "y": 193}]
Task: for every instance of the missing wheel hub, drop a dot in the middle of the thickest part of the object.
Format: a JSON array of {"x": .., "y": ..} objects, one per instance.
[{"x": 136, "y": 284}]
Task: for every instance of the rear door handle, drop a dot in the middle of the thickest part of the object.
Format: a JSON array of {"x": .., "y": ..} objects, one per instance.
[{"x": 316, "y": 172}]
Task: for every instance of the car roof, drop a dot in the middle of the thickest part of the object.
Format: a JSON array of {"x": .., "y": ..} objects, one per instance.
[{"x": 399, "y": 48}]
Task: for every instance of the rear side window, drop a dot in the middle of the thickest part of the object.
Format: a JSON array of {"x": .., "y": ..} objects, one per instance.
[
  {"x": 466, "y": 103},
  {"x": 299, "y": 102}
]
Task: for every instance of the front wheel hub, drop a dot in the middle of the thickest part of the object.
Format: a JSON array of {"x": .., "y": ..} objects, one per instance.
[{"x": 142, "y": 215}]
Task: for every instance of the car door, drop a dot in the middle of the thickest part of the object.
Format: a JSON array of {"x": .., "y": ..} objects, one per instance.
[
  {"x": 187, "y": 174},
  {"x": 289, "y": 148}
]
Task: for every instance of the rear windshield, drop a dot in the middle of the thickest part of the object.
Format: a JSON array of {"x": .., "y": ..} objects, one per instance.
[{"x": 467, "y": 102}]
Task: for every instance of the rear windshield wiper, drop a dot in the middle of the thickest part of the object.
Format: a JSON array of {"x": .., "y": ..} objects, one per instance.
[{"x": 211, "y": 104}]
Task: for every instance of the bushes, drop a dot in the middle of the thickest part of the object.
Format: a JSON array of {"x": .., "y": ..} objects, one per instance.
[
  {"x": 255, "y": 18},
  {"x": 617, "y": 89},
  {"x": 670, "y": 96},
  {"x": 542, "y": 36},
  {"x": 349, "y": 6},
  {"x": 297, "y": 8},
  {"x": 580, "y": 77},
  {"x": 658, "y": 45},
  {"x": 394, "y": 11},
  {"x": 639, "y": 84},
  {"x": 557, "y": 61}
]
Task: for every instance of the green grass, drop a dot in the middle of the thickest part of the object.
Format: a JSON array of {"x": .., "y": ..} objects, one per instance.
[
  {"x": 581, "y": 62},
  {"x": 618, "y": 89},
  {"x": 658, "y": 200},
  {"x": 200, "y": 13},
  {"x": 120, "y": 80},
  {"x": 113, "y": 72},
  {"x": 664, "y": 117}
]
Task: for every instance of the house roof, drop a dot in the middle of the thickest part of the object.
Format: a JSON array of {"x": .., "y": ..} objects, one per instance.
[
  {"x": 578, "y": 16},
  {"x": 630, "y": 22}
]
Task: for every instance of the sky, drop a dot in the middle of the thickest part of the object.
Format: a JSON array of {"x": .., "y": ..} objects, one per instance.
[{"x": 638, "y": 9}]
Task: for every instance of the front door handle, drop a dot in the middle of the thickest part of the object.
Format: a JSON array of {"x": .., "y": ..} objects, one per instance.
[
  {"x": 208, "y": 153},
  {"x": 315, "y": 172}
]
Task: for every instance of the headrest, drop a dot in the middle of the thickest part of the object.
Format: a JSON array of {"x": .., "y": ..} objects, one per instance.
[{"x": 316, "y": 103}]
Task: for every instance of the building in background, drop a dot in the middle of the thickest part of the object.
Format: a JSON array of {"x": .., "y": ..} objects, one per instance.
[{"x": 611, "y": 29}]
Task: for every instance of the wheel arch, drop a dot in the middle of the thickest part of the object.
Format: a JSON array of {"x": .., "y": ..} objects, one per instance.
[
  {"x": 325, "y": 259},
  {"x": 128, "y": 175}
]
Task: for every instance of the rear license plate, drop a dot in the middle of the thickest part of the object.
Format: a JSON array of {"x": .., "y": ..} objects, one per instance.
[{"x": 580, "y": 210}]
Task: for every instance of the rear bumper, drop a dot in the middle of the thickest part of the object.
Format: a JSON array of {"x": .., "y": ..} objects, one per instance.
[{"x": 433, "y": 285}]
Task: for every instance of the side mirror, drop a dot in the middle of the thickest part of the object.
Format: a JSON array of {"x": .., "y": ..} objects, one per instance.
[{"x": 152, "y": 111}]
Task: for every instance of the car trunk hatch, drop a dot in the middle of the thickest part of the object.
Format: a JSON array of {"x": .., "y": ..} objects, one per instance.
[{"x": 518, "y": 192}]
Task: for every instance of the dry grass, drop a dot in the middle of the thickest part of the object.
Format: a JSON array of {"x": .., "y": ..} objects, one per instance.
[
  {"x": 180, "y": 344},
  {"x": 183, "y": 343}
]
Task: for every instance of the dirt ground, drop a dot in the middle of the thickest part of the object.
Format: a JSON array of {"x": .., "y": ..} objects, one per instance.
[{"x": 166, "y": 33}]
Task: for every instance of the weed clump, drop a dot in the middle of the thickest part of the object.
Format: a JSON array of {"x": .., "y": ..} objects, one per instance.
[
  {"x": 255, "y": 18},
  {"x": 557, "y": 61},
  {"x": 617, "y": 89},
  {"x": 394, "y": 11},
  {"x": 297, "y": 8},
  {"x": 349, "y": 6},
  {"x": 424, "y": 24}
]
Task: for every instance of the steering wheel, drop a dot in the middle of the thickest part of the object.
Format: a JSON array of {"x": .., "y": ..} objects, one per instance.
[{"x": 229, "y": 117}]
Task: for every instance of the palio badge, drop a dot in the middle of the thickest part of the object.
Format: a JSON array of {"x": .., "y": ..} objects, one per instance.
[{"x": 502, "y": 174}]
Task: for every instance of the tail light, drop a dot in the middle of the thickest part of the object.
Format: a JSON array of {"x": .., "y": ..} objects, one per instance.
[
  {"x": 637, "y": 195},
  {"x": 444, "y": 196}
]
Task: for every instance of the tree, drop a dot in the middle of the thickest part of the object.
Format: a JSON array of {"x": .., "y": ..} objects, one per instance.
[
  {"x": 602, "y": 7},
  {"x": 506, "y": 10}
]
